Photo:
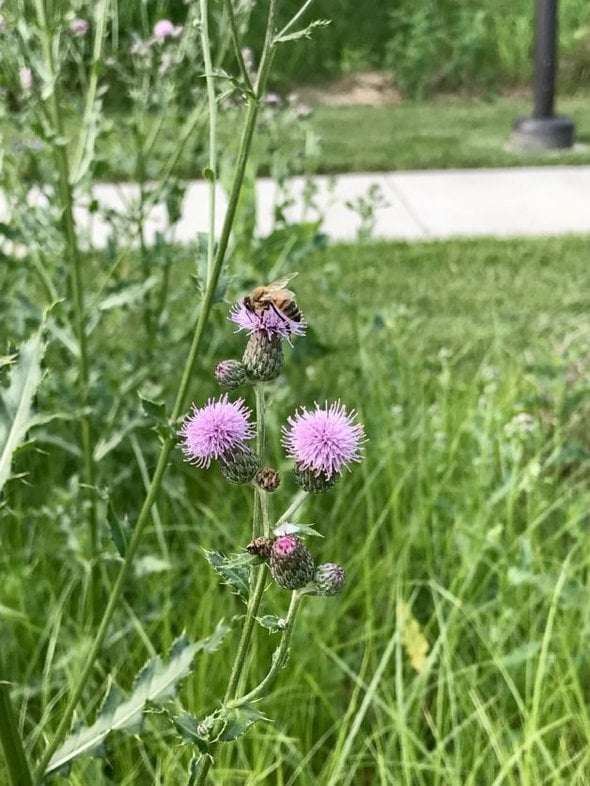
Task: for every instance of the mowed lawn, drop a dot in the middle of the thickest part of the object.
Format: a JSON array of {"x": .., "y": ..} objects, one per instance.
[
  {"x": 458, "y": 653},
  {"x": 444, "y": 133}
]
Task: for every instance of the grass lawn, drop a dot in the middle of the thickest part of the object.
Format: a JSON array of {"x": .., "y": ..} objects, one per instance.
[
  {"x": 457, "y": 654},
  {"x": 439, "y": 134}
]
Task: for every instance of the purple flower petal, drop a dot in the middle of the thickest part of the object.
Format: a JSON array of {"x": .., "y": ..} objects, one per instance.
[
  {"x": 325, "y": 440},
  {"x": 215, "y": 430}
]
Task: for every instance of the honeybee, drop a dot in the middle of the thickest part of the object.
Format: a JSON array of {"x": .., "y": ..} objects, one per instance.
[
  {"x": 275, "y": 296},
  {"x": 261, "y": 547}
]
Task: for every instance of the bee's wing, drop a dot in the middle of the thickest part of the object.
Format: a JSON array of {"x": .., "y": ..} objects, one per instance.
[
  {"x": 281, "y": 283},
  {"x": 280, "y": 286}
]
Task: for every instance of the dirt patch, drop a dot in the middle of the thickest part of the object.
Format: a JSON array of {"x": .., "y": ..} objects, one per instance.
[{"x": 366, "y": 88}]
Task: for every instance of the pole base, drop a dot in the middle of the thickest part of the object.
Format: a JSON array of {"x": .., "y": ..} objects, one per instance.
[{"x": 542, "y": 133}]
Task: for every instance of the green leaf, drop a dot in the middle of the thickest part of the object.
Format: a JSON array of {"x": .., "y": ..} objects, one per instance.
[
  {"x": 126, "y": 294},
  {"x": 16, "y": 401},
  {"x": 304, "y": 33},
  {"x": 191, "y": 731},
  {"x": 154, "y": 684},
  {"x": 120, "y": 530},
  {"x": 238, "y": 721},
  {"x": 296, "y": 529},
  {"x": 154, "y": 409},
  {"x": 271, "y": 623},
  {"x": 234, "y": 570}
]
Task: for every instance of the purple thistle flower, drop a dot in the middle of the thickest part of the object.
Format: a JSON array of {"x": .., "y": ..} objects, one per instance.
[
  {"x": 270, "y": 321},
  {"x": 273, "y": 100},
  {"x": 25, "y": 76},
  {"x": 324, "y": 441},
  {"x": 215, "y": 431},
  {"x": 163, "y": 29},
  {"x": 78, "y": 27}
]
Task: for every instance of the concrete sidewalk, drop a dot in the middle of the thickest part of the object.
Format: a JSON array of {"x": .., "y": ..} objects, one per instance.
[{"x": 414, "y": 205}]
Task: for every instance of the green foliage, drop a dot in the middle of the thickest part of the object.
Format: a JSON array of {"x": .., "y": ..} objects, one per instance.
[
  {"x": 464, "y": 511},
  {"x": 155, "y": 683},
  {"x": 234, "y": 570},
  {"x": 429, "y": 45},
  {"x": 16, "y": 413}
]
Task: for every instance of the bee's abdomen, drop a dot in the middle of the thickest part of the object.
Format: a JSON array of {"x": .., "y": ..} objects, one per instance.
[{"x": 291, "y": 311}]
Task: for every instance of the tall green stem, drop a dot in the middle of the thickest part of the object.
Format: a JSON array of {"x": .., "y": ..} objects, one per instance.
[
  {"x": 144, "y": 513},
  {"x": 16, "y": 760},
  {"x": 100, "y": 20},
  {"x": 212, "y": 104},
  {"x": 278, "y": 660},
  {"x": 75, "y": 265}
]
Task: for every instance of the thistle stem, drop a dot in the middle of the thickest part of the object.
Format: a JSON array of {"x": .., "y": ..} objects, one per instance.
[
  {"x": 180, "y": 403},
  {"x": 14, "y": 753},
  {"x": 279, "y": 657},
  {"x": 77, "y": 291},
  {"x": 212, "y": 105}
]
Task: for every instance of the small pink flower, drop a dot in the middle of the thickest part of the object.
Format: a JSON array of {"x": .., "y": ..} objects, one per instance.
[
  {"x": 25, "y": 76},
  {"x": 215, "y": 431},
  {"x": 325, "y": 440},
  {"x": 273, "y": 100},
  {"x": 163, "y": 29},
  {"x": 270, "y": 321},
  {"x": 78, "y": 27}
]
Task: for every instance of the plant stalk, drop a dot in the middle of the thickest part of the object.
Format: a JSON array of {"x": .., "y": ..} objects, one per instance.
[
  {"x": 212, "y": 105},
  {"x": 180, "y": 402},
  {"x": 12, "y": 744},
  {"x": 279, "y": 657},
  {"x": 75, "y": 265}
]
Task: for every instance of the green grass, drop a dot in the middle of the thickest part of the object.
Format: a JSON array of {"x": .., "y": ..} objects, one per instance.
[
  {"x": 476, "y": 518},
  {"x": 440, "y": 134}
]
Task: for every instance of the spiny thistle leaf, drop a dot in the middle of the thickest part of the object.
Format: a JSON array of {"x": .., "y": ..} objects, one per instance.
[
  {"x": 155, "y": 683},
  {"x": 234, "y": 570},
  {"x": 413, "y": 640},
  {"x": 16, "y": 401},
  {"x": 238, "y": 720},
  {"x": 192, "y": 731},
  {"x": 304, "y": 33}
]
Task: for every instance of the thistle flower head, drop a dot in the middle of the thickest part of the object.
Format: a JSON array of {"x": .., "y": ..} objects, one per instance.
[
  {"x": 324, "y": 440},
  {"x": 328, "y": 578},
  {"x": 163, "y": 29},
  {"x": 291, "y": 564},
  {"x": 230, "y": 374},
  {"x": 270, "y": 321},
  {"x": 25, "y": 76},
  {"x": 215, "y": 431},
  {"x": 78, "y": 27}
]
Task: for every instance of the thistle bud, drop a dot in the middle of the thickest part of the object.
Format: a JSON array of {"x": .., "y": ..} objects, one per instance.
[
  {"x": 268, "y": 479},
  {"x": 239, "y": 466},
  {"x": 314, "y": 483},
  {"x": 230, "y": 374},
  {"x": 263, "y": 357},
  {"x": 328, "y": 579},
  {"x": 291, "y": 564}
]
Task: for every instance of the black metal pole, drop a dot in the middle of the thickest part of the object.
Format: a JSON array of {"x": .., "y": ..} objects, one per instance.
[
  {"x": 544, "y": 129},
  {"x": 545, "y": 57}
]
